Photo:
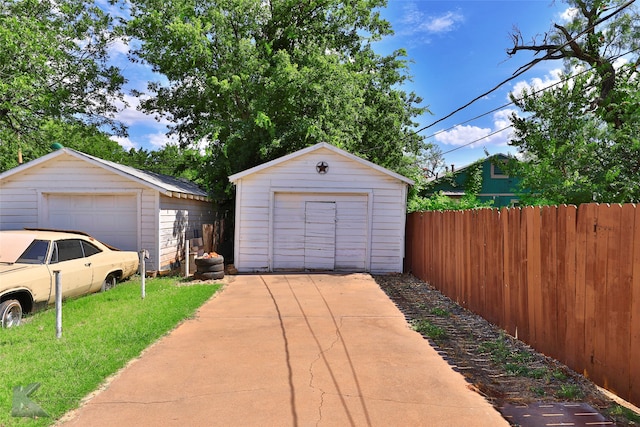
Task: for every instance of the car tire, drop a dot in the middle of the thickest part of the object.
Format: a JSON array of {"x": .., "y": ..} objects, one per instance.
[
  {"x": 210, "y": 268},
  {"x": 204, "y": 262},
  {"x": 209, "y": 276},
  {"x": 109, "y": 283},
  {"x": 10, "y": 313}
]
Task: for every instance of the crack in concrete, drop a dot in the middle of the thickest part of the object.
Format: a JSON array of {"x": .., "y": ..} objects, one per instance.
[
  {"x": 320, "y": 356},
  {"x": 178, "y": 399}
]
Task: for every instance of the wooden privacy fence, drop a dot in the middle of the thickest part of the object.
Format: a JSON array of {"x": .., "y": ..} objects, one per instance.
[{"x": 565, "y": 280}]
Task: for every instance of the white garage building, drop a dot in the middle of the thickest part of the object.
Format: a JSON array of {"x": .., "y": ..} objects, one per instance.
[
  {"x": 119, "y": 205},
  {"x": 320, "y": 208}
]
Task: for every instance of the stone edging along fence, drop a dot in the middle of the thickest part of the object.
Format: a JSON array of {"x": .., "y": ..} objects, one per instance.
[{"x": 563, "y": 279}]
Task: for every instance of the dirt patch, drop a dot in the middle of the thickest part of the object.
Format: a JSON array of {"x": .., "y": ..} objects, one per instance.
[{"x": 498, "y": 366}]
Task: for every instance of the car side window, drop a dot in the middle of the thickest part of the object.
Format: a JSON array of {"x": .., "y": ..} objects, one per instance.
[
  {"x": 69, "y": 249},
  {"x": 54, "y": 254},
  {"x": 36, "y": 253},
  {"x": 89, "y": 249}
]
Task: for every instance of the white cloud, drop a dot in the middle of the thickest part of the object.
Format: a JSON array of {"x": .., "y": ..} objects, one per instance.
[
  {"x": 443, "y": 23},
  {"x": 145, "y": 131},
  {"x": 115, "y": 9},
  {"x": 498, "y": 134},
  {"x": 131, "y": 115},
  {"x": 568, "y": 14},
  {"x": 461, "y": 135},
  {"x": 149, "y": 141},
  {"x": 415, "y": 21},
  {"x": 502, "y": 118},
  {"x": 124, "y": 142},
  {"x": 160, "y": 139},
  {"x": 538, "y": 83},
  {"x": 118, "y": 48}
]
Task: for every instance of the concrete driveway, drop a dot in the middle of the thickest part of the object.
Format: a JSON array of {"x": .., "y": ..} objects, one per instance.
[{"x": 290, "y": 350}]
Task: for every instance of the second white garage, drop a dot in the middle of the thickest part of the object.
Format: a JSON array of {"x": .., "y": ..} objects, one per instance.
[
  {"x": 124, "y": 207},
  {"x": 319, "y": 209}
]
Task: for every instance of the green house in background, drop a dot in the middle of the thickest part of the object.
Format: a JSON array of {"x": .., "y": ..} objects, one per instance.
[{"x": 496, "y": 184}]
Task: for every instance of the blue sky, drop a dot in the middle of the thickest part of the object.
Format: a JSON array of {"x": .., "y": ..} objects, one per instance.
[{"x": 458, "y": 52}]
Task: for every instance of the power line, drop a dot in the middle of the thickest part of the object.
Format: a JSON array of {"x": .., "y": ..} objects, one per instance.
[
  {"x": 527, "y": 67},
  {"x": 518, "y": 73},
  {"x": 561, "y": 81},
  {"x": 510, "y": 103}
]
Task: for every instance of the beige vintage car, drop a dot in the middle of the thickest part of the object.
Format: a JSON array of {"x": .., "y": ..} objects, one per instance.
[{"x": 28, "y": 259}]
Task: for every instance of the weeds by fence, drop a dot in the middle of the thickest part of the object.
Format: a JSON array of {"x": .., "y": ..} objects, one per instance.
[{"x": 565, "y": 280}]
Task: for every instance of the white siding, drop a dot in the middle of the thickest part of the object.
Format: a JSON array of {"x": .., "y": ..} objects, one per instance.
[
  {"x": 18, "y": 207},
  {"x": 149, "y": 227},
  {"x": 256, "y": 199},
  {"x": 178, "y": 216}
]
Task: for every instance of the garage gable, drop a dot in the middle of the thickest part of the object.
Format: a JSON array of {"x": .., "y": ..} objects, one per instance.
[{"x": 316, "y": 149}]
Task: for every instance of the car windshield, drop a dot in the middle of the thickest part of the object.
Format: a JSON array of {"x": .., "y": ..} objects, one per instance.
[{"x": 36, "y": 253}]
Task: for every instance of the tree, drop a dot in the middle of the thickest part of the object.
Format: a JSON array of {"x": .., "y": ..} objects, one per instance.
[
  {"x": 170, "y": 160},
  {"x": 54, "y": 69},
  {"x": 600, "y": 32},
  {"x": 259, "y": 79},
  {"x": 86, "y": 138},
  {"x": 580, "y": 139},
  {"x": 441, "y": 202},
  {"x": 572, "y": 154}
]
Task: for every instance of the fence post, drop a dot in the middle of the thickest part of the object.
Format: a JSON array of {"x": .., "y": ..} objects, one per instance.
[
  {"x": 186, "y": 257},
  {"x": 143, "y": 273},
  {"x": 58, "y": 280}
]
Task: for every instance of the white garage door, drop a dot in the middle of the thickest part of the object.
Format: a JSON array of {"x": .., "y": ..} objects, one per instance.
[
  {"x": 320, "y": 232},
  {"x": 110, "y": 218}
]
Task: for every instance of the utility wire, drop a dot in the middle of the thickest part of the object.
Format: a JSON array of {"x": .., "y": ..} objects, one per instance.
[
  {"x": 561, "y": 81},
  {"x": 477, "y": 140},
  {"x": 510, "y": 103},
  {"x": 518, "y": 73},
  {"x": 527, "y": 67}
]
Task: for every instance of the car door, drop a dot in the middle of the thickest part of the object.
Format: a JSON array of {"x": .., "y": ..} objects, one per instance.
[
  {"x": 76, "y": 270},
  {"x": 35, "y": 272},
  {"x": 94, "y": 256}
]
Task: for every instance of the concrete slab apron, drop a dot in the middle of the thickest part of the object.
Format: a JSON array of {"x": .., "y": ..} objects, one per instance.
[{"x": 291, "y": 350}]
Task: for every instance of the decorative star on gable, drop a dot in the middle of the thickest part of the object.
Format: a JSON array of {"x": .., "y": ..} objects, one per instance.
[{"x": 322, "y": 167}]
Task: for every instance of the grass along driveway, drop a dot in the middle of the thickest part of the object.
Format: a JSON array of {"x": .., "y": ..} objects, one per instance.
[{"x": 101, "y": 333}]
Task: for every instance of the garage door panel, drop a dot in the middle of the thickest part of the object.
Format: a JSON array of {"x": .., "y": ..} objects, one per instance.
[
  {"x": 298, "y": 231},
  {"x": 354, "y": 233},
  {"x": 320, "y": 235},
  {"x": 287, "y": 247},
  {"x": 111, "y": 218}
]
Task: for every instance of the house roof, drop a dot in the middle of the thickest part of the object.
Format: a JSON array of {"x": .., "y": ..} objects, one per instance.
[
  {"x": 167, "y": 185},
  {"x": 463, "y": 168},
  {"x": 321, "y": 145}
]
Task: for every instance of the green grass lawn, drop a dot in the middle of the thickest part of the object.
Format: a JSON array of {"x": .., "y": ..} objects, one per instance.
[{"x": 100, "y": 334}]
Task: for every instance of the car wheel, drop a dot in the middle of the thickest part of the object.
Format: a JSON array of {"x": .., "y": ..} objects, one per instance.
[
  {"x": 10, "y": 313},
  {"x": 210, "y": 268},
  {"x": 108, "y": 283},
  {"x": 209, "y": 276}
]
